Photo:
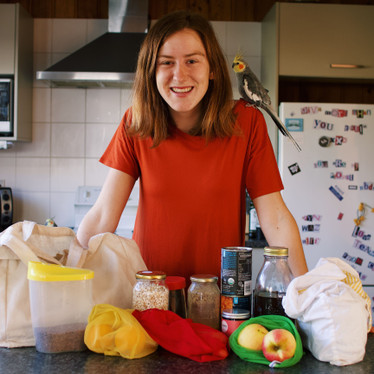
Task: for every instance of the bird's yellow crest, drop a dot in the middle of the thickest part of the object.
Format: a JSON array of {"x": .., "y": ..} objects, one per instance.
[{"x": 238, "y": 64}]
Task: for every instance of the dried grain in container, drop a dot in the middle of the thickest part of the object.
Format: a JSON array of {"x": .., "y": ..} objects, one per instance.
[{"x": 150, "y": 291}]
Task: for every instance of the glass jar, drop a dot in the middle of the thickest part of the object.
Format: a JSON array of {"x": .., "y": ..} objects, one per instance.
[
  {"x": 204, "y": 300},
  {"x": 150, "y": 291},
  {"x": 272, "y": 282},
  {"x": 177, "y": 295}
]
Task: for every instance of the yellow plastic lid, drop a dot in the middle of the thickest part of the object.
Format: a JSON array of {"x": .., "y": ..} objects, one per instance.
[{"x": 39, "y": 271}]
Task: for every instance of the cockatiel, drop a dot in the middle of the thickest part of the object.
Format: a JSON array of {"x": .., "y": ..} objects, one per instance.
[{"x": 252, "y": 91}]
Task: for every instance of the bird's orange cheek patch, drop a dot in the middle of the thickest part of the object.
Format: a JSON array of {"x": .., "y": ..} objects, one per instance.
[{"x": 241, "y": 66}]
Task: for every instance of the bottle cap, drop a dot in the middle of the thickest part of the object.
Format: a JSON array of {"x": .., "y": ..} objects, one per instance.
[
  {"x": 276, "y": 251},
  {"x": 175, "y": 283},
  {"x": 149, "y": 274},
  {"x": 236, "y": 313},
  {"x": 204, "y": 278}
]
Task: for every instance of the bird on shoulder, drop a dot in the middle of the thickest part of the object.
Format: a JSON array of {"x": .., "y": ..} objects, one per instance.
[{"x": 253, "y": 92}]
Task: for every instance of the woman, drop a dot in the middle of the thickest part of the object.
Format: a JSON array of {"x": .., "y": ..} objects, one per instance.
[{"x": 195, "y": 152}]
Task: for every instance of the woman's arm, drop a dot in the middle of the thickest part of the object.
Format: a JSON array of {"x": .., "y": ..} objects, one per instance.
[
  {"x": 106, "y": 212},
  {"x": 280, "y": 229}
]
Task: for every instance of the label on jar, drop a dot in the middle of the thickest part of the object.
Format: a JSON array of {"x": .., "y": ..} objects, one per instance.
[
  {"x": 236, "y": 271},
  {"x": 236, "y": 302}
]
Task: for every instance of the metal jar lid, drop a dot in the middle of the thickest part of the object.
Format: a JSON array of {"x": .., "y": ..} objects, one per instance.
[
  {"x": 276, "y": 251},
  {"x": 235, "y": 313},
  {"x": 149, "y": 274},
  {"x": 204, "y": 278}
]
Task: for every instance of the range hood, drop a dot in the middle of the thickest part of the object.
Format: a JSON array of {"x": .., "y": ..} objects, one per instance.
[{"x": 109, "y": 60}]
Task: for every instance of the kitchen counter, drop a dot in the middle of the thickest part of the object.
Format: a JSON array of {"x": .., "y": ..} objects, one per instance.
[{"x": 28, "y": 360}]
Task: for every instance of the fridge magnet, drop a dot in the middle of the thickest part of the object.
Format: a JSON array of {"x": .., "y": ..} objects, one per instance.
[
  {"x": 318, "y": 124},
  {"x": 339, "y": 163},
  {"x": 352, "y": 187},
  {"x": 337, "y": 113},
  {"x": 359, "y": 233},
  {"x": 310, "y": 109},
  {"x": 340, "y": 175},
  {"x": 360, "y": 113},
  {"x": 363, "y": 247},
  {"x": 314, "y": 228},
  {"x": 311, "y": 241},
  {"x": 325, "y": 141},
  {"x": 336, "y": 193},
  {"x": 312, "y": 217},
  {"x": 355, "y": 128},
  {"x": 340, "y": 216},
  {"x": 367, "y": 186},
  {"x": 339, "y": 140},
  {"x": 294, "y": 124},
  {"x": 294, "y": 168},
  {"x": 321, "y": 164},
  {"x": 355, "y": 260},
  {"x": 356, "y": 166}
]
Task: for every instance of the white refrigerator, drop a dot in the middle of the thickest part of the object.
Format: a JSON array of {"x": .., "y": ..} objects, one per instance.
[{"x": 329, "y": 185}]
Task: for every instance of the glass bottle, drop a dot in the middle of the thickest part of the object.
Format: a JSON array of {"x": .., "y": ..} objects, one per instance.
[
  {"x": 272, "y": 282},
  {"x": 177, "y": 295},
  {"x": 150, "y": 291},
  {"x": 203, "y": 300}
]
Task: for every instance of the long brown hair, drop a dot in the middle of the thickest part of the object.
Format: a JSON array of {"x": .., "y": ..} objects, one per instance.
[{"x": 150, "y": 114}]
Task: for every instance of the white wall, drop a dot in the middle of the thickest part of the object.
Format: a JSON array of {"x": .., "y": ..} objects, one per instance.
[{"x": 72, "y": 126}]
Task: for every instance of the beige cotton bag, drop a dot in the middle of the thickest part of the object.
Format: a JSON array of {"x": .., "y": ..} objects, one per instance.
[{"x": 114, "y": 260}]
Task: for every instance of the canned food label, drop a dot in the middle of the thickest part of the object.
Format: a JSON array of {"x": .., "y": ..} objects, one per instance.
[{"x": 236, "y": 272}]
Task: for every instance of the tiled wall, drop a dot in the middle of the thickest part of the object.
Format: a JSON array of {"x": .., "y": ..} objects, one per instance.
[{"x": 72, "y": 126}]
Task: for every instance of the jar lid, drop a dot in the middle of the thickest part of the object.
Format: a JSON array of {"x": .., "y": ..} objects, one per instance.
[
  {"x": 276, "y": 251},
  {"x": 175, "y": 283},
  {"x": 235, "y": 313},
  {"x": 149, "y": 274},
  {"x": 39, "y": 271},
  {"x": 204, "y": 278}
]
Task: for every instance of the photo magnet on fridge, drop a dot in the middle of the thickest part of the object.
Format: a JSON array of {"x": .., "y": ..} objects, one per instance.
[{"x": 294, "y": 124}]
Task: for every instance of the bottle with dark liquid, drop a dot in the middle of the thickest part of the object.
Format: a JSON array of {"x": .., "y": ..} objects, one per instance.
[{"x": 272, "y": 282}]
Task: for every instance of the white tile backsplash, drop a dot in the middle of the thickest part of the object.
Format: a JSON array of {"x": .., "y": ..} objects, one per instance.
[
  {"x": 68, "y": 105},
  {"x": 72, "y": 126},
  {"x": 103, "y": 105}
]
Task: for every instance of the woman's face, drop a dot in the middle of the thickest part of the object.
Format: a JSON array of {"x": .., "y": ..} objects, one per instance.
[{"x": 183, "y": 73}]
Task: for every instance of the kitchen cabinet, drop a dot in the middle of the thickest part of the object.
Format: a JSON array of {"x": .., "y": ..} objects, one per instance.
[
  {"x": 16, "y": 64},
  {"x": 300, "y": 42}
]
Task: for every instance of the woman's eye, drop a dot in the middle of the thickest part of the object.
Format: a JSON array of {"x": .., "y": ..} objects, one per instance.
[{"x": 191, "y": 61}]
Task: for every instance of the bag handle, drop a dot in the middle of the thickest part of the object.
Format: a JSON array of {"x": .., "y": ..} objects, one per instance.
[
  {"x": 24, "y": 251},
  {"x": 77, "y": 254}
]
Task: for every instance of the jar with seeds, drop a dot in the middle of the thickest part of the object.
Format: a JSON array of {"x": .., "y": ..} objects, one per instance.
[
  {"x": 150, "y": 291},
  {"x": 204, "y": 300}
]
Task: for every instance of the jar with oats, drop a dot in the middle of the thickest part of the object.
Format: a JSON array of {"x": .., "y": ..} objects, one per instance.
[
  {"x": 204, "y": 300},
  {"x": 150, "y": 291}
]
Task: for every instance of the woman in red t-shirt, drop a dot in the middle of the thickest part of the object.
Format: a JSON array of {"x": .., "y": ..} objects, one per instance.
[{"x": 195, "y": 153}]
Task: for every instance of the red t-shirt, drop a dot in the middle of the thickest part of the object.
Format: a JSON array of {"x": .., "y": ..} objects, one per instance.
[{"x": 192, "y": 193}]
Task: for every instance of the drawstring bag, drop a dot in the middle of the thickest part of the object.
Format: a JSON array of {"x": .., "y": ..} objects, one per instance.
[
  {"x": 270, "y": 322},
  {"x": 183, "y": 337},
  {"x": 116, "y": 332},
  {"x": 332, "y": 310}
]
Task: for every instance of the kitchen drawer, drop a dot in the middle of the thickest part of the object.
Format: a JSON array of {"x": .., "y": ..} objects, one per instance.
[{"x": 314, "y": 36}]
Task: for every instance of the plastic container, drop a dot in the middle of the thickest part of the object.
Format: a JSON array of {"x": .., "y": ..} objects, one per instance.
[
  {"x": 150, "y": 291},
  {"x": 60, "y": 302},
  {"x": 177, "y": 295},
  {"x": 204, "y": 300},
  {"x": 272, "y": 281},
  {"x": 232, "y": 319}
]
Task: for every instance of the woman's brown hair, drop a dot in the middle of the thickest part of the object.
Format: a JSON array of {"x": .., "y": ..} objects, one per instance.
[{"x": 150, "y": 114}]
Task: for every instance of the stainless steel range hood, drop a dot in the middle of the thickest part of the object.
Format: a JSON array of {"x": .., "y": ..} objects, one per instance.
[{"x": 109, "y": 60}]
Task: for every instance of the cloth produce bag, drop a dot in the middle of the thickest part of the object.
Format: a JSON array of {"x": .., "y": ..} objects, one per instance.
[
  {"x": 182, "y": 336},
  {"x": 332, "y": 310},
  {"x": 270, "y": 322},
  {"x": 114, "y": 260},
  {"x": 116, "y": 332}
]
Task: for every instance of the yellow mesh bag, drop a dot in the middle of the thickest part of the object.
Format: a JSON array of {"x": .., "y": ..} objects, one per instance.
[{"x": 116, "y": 332}]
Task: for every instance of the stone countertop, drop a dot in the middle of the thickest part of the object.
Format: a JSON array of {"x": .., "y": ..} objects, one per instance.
[{"x": 29, "y": 361}]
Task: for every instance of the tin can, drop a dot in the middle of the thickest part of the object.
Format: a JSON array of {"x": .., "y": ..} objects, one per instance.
[
  {"x": 232, "y": 319},
  {"x": 236, "y": 271},
  {"x": 236, "y": 302}
]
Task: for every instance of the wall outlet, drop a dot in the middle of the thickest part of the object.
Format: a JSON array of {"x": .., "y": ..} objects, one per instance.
[{"x": 2, "y": 182}]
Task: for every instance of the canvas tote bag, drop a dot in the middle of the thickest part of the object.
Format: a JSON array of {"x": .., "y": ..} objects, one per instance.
[{"x": 114, "y": 260}]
